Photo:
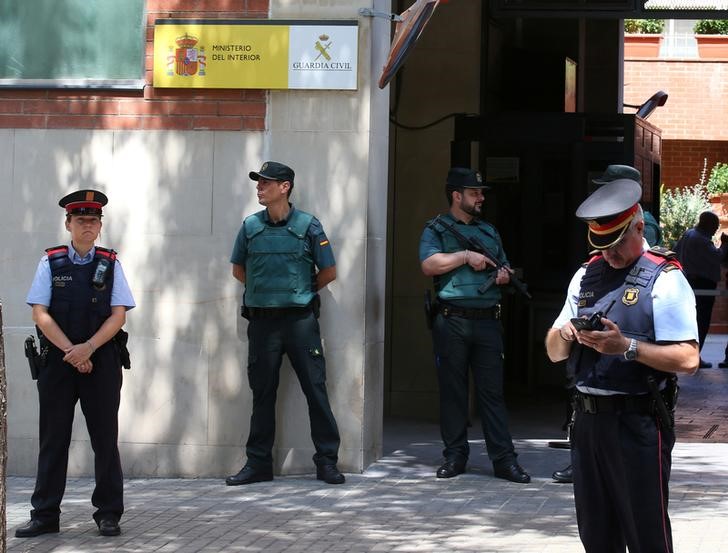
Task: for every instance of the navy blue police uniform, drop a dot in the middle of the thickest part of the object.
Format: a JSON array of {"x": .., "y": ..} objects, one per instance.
[
  {"x": 622, "y": 440},
  {"x": 79, "y": 294}
]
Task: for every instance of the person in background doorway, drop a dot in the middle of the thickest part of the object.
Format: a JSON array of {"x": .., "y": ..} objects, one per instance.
[{"x": 701, "y": 261}]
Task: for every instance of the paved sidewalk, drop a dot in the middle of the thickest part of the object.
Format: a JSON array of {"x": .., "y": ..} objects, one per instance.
[{"x": 398, "y": 504}]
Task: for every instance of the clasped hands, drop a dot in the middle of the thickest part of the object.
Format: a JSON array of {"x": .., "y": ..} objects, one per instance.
[{"x": 79, "y": 355}]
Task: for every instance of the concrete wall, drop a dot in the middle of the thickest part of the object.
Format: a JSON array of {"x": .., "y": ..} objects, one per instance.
[{"x": 176, "y": 202}]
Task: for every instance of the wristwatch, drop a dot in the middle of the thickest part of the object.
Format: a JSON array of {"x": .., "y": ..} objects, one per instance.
[{"x": 631, "y": 353}]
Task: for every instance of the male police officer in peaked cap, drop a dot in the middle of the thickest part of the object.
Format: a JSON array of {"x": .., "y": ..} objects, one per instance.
[
  {"x": 276, "y": 255},
  {"x": 79, "y": 298},
  {"x": 466, "y": 331},
  {"x": 628, "y": 324}
]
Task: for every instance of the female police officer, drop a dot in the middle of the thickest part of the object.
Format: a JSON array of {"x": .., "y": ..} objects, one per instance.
[{"x": 79, "y": 298}]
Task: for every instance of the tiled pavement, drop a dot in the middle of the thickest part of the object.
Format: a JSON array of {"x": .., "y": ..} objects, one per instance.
[{"x": 398, "y": 504}]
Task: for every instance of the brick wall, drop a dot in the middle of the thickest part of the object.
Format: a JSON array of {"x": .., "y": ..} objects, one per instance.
[
  {"x": 150, "y": 109},
  {"x": 694, "y": 124},
  {"x": 682, "y": 160},
  {"x": 696, "y": 108}
]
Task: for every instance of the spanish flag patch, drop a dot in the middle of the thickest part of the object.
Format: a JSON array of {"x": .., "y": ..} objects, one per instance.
[{"x": 324, "y": 243}]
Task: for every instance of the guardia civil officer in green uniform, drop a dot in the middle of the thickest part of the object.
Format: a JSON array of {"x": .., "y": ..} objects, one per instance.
[
  {"x": 467, "y": 332},
  {"x": 284, "y": 258}
]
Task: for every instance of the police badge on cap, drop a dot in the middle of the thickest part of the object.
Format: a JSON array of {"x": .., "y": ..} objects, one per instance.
[
  {"x": 84, "y": 202},
  {"x": 273, "y": 170},
  {"x": 609, "y": 211},
  {"x": 463, "y": 177}
]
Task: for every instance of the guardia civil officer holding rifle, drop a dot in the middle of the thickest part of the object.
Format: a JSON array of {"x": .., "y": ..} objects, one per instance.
[
  {"x": 466, "y": 328},
  {"x": 626, "y": 328},
  {"x": 79, "y": 298}
]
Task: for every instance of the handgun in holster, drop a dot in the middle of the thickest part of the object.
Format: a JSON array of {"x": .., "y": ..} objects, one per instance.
[
  {"x": 665, "y": 401},
  {"x": 31, "y": 352},
  {"x": 430, "y": 309},
  {"x": 120, "y": 339}
]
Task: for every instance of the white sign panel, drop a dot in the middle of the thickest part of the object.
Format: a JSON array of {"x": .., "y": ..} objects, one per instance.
[{"x": 323, "y": 57}]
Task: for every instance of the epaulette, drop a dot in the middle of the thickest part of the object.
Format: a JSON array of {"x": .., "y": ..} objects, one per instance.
[
  {"x": 663, "y": 252},
  {"x": 105, "y": 252},
  {"x": 660, "y": 255},
  {"x": 58, "y": 258},
  {"x": 595, "y": 255},
  {"x": 56, "y": 251}
]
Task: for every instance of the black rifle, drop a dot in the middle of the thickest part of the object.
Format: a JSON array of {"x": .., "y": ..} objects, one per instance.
[
  {"x": 31, "y": 352},
  {"x": 474, "y": 243}
]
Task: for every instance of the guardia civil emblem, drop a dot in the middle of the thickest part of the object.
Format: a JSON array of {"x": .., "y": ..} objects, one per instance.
[{"x": 630, "y": 297}]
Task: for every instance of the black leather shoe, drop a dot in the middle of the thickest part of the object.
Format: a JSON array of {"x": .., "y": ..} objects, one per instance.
[
  {"x": 564, "y": 476},
  {"x": 450, "y": 469},
  {"x": 109, "y": 527},
  {"x": 513, "y": 472},
  {"x": 249, "y": 475},
  {"x": 329, "y": 474},
  {"x": 723, "y": 364},
  {"x": 37, "y": 527},
  {"x": 704, "y": 364}
]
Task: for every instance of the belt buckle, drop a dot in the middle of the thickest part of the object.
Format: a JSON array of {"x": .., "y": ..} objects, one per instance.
[{"x": 589, "y": 404}]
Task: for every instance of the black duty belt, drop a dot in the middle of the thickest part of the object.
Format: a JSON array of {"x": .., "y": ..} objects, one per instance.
[
  {"x": 469, "y": 312},
  {"x": 277, "y": 312},
  {"x": 586, "y": 403}
]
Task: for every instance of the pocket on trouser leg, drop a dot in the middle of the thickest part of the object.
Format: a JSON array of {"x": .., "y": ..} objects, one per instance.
[{"x": 316, "y": 364}]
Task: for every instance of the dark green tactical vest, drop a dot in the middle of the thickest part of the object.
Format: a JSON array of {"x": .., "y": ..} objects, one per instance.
[
  {"x": 279, "y": 272},
  {"x": 461, "y": 285}
]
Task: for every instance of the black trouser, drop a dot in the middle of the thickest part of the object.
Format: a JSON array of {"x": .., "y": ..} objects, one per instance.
[
  {"x": 298, "y": 336},
  {"x": 703, "y": 305},
  {"x": 60, "y": 386},
  {"x": 461, "y": 344},
  {"x": 621, "y": 472}
]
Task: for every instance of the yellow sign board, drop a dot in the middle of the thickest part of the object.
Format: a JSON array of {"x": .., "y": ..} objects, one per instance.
[{"x": 267, "y": 54}]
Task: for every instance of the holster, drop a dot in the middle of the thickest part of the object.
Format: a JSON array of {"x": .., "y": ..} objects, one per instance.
[
  {"x": 430, "y": 309},
  {"x": 665, "y": 401},
  {"x": 32, "y": 354},
  {"x": 120, "y": 339}
]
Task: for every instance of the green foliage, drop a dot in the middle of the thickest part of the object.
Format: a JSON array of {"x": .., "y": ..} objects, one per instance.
[
  {"x": 679, "y": 210},
  {"x": 632, "y": 26},
  {"x": 644, "y": 26},
  {"x": 711, "y": 27},
  {"x": 718, "y": 179}
]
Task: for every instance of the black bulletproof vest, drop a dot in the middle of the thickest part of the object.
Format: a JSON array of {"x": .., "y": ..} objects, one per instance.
[
  {"x": 77, "y": 306},
  {"x": 629, "y": 293}
]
